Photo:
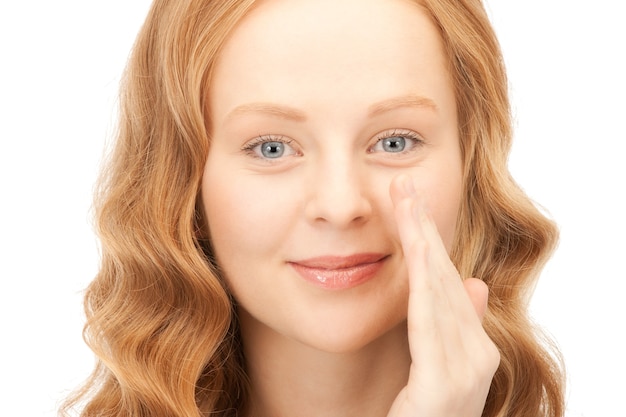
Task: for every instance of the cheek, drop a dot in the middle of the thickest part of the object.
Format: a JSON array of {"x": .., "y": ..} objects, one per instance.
[
  {"x": 445, "y": 214},
  {"x": 245, "y": 219},
  {"x": 222, "y": 209},
  {"x": 228, "y": 215},
  {"x": 443, "y": 193}
]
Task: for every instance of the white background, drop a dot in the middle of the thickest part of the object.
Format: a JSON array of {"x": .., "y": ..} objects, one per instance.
[{"x": 60, "y": 63}]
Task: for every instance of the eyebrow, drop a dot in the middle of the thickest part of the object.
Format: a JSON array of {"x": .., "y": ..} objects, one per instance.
[
  {"x": 409, "y": 100},
  {"x": 290, "y": 113},
  {"x": 269, "y": 109}
]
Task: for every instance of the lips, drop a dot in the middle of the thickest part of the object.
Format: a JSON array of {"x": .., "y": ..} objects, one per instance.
[{"x": 340, "y": 272}]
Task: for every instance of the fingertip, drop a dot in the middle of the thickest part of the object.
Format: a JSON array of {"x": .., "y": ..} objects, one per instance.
[{"x": 401, "y": 187}]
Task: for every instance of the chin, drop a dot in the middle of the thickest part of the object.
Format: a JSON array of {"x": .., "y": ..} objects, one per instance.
[{"x": 349, "y": 338}]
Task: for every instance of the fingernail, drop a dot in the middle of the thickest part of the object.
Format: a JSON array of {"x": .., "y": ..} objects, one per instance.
[
  {"x": 416, "y": 211},
  {"x": 424, "y": 207},
  {"x": 420, "y": 209},
  {"x": 409, "y": 187}
]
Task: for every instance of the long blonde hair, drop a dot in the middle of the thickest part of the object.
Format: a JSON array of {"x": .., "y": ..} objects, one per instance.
[{"x": 158, "y": 316}]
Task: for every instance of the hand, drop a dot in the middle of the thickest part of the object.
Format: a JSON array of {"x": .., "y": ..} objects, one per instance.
[{"x": 453, "y": 359}]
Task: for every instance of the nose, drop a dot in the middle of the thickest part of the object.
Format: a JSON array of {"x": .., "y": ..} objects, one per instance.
[{"x": 339, "y": 194}]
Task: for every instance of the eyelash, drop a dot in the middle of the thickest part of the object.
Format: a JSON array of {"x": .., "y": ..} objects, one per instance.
[
  {"x": 261, "y": 139},
  {"x": 249, "y": 148},
  {"x": 403, "y": 133}
]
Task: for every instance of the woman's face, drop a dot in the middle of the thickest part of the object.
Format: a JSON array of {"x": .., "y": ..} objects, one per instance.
[{"x": 315, "y": 107}]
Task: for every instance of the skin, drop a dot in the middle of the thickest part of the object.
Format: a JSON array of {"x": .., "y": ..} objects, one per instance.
[{"x": 329, "y": 93}]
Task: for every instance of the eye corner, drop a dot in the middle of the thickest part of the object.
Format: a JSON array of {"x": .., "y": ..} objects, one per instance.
[
  {"x": 262, "y": 145},
  {"x": 406, "y": 141}
]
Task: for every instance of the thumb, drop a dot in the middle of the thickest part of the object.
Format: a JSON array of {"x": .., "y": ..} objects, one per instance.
[{"x": 478, "y": 294}]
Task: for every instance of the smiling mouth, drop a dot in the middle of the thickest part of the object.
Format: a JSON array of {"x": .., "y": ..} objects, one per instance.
[{"x": 337, "y": 273}]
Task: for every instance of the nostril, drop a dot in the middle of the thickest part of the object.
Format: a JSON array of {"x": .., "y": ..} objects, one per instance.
[{"x": 341, "y": 210}]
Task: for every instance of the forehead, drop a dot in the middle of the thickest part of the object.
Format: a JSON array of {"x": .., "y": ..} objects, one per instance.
[{"x": 372, "y": 48}]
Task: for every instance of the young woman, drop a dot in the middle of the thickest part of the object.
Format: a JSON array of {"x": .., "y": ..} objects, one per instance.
[{"x": 308, "y": 213}]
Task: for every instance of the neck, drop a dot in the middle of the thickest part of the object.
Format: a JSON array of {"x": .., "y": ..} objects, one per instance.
[{"x": 288, "y": 378}]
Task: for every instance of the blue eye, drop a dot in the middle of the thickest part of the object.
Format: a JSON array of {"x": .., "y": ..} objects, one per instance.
[
  {"x": 269, "y": 147},
  {"x": 397, "y": 142},
  {"x": 394, "y": 144},
  {"x": 272, "y": 150}
]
